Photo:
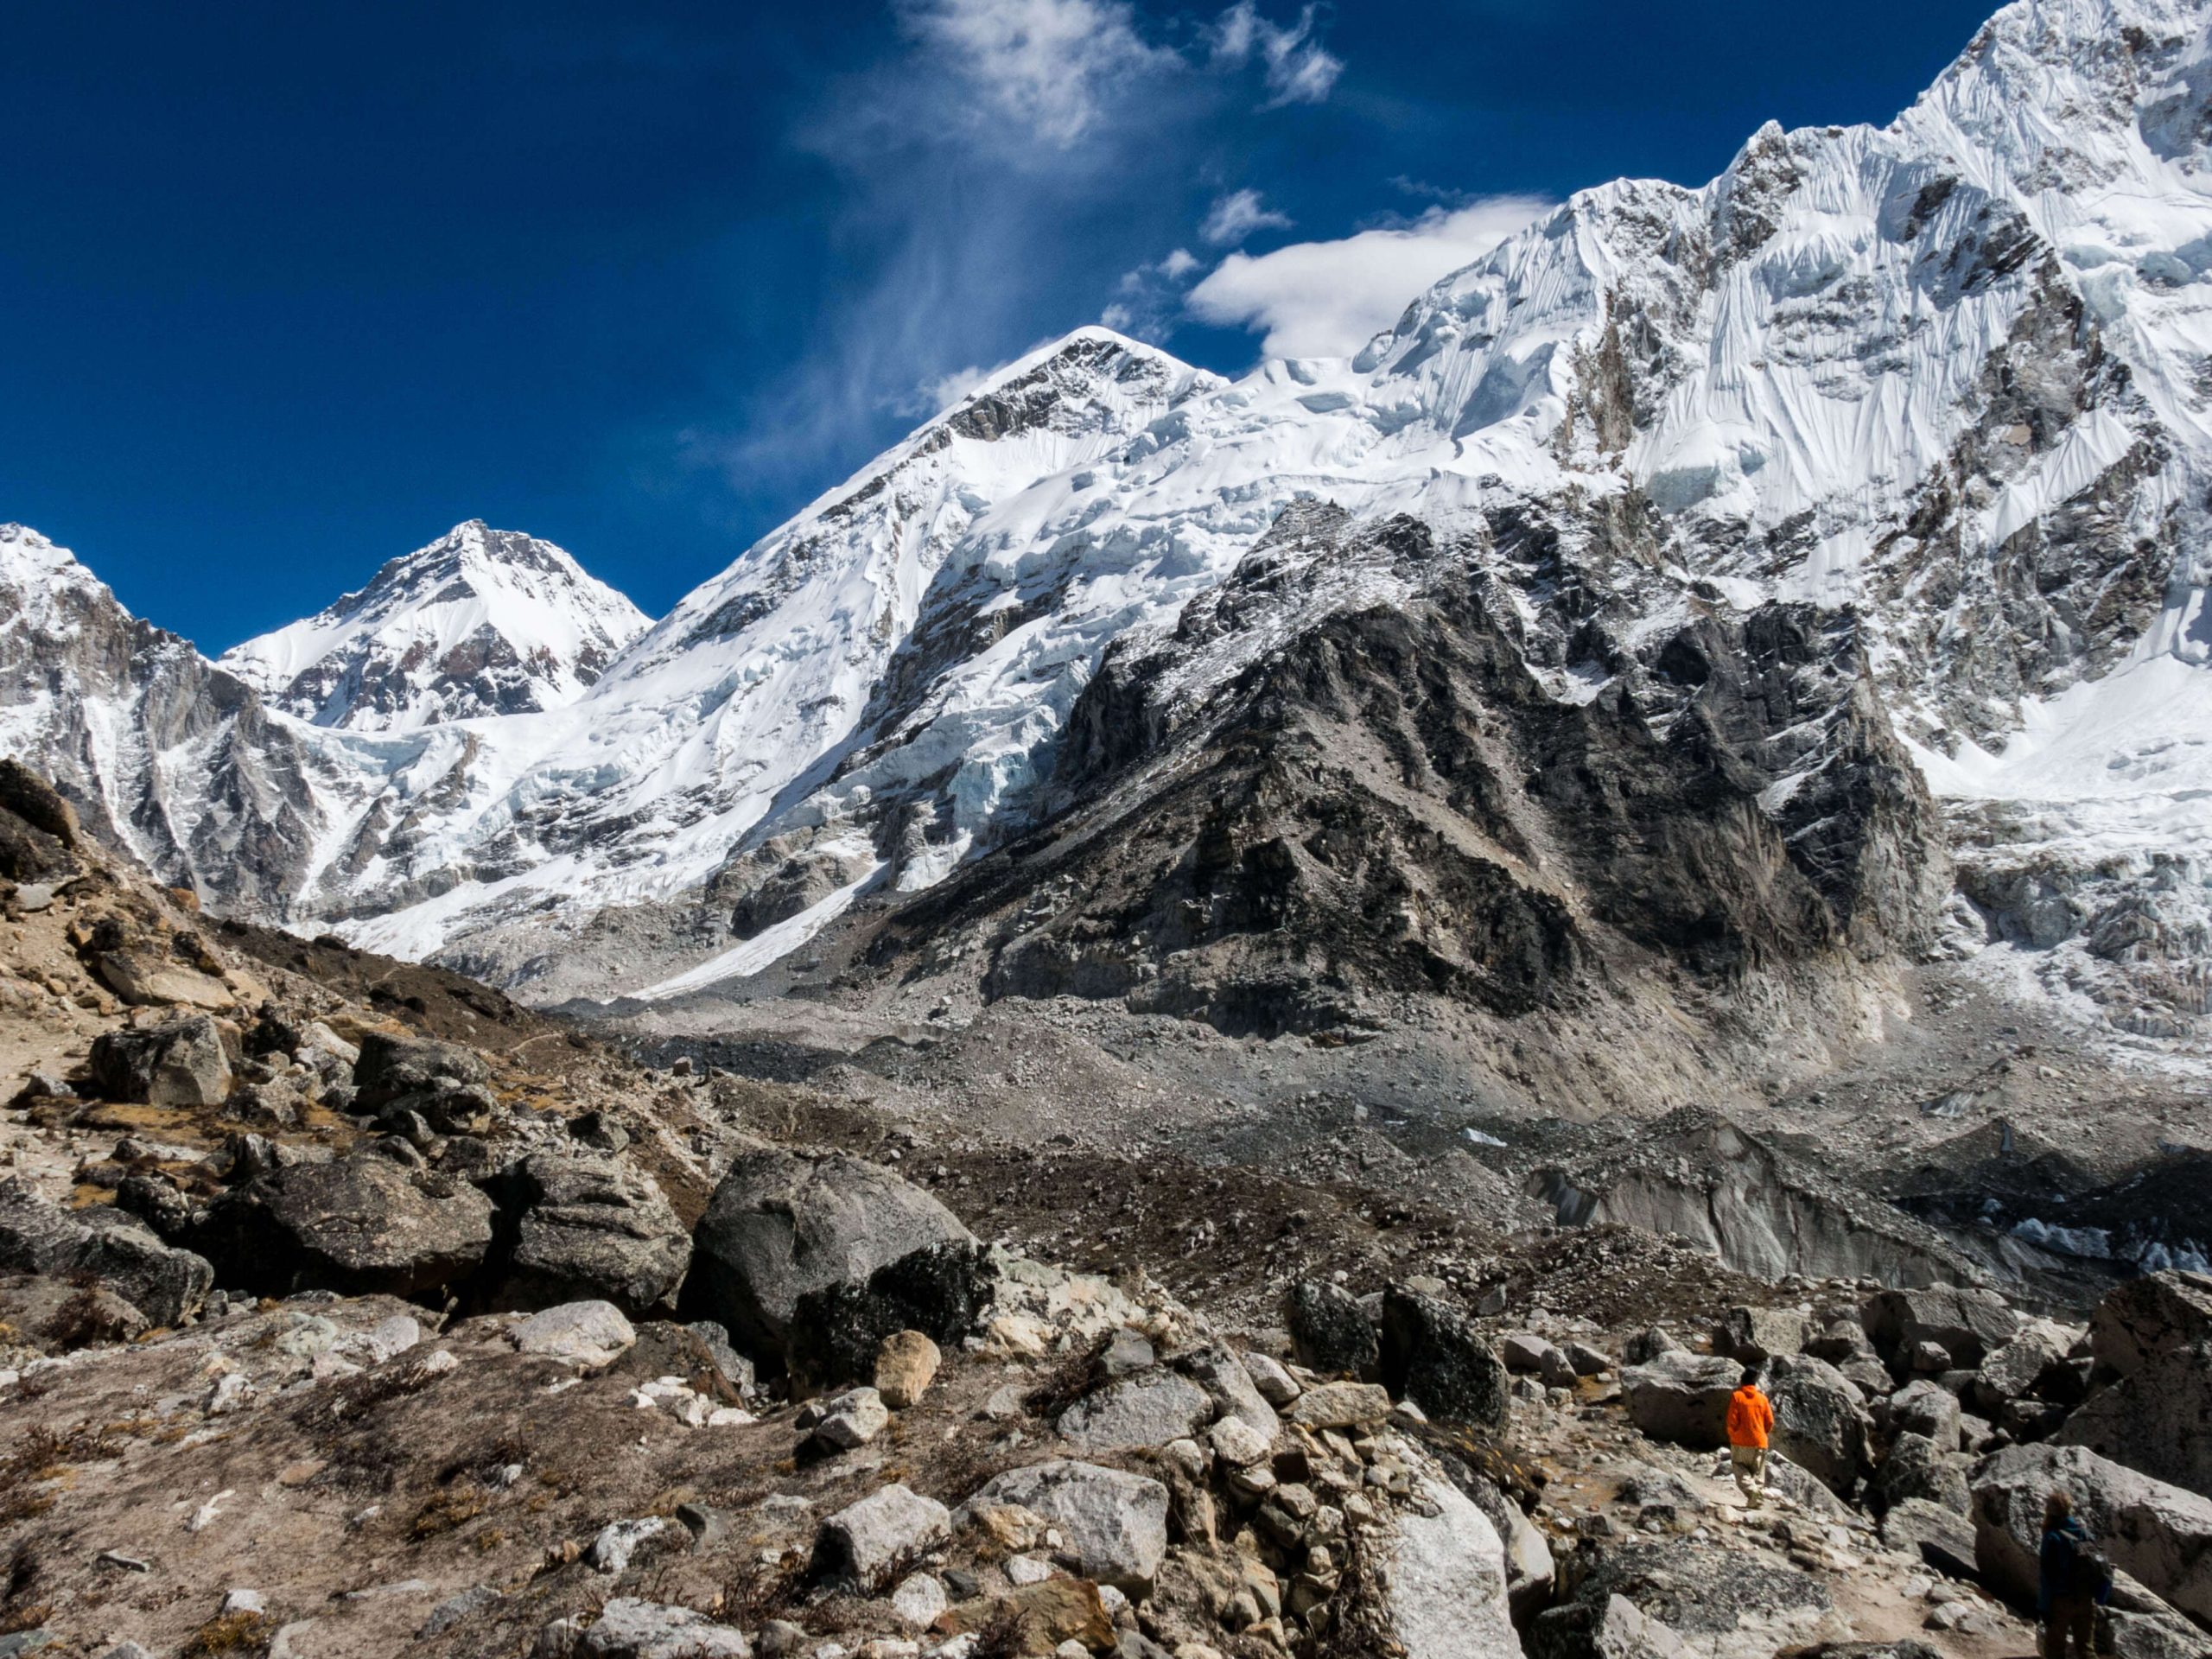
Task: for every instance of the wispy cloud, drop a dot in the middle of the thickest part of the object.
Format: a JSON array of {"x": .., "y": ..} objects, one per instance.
[
  {"x": 1235, "y": 216},
  {"x": 1052, "y": 66},
  {"x": 1299, "y": 70},
  {"x": 980, "y": 162},
  {"x": 1327, "y": 299}
]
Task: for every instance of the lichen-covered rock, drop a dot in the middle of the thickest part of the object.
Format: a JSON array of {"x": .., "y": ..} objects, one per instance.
[
  {"x": 940, "y": 1291},
  {"x": 392, "y": 1064},
  {"x": 1115, "y": 1523},
  {"x": 590, "y": 1228},
  {"x": 1150, "y": 1409},
  {"x": 1329, "y": 1332},
  {"x": 1433, "y": 1355},
  {"x": 358, "y": 1224},
  {"x": 117, "y": 1251},
  {"x": 588, "y": 1333}
]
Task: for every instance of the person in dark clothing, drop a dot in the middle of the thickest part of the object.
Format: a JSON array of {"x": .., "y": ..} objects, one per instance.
[{"x": 2070, "y": 1583}]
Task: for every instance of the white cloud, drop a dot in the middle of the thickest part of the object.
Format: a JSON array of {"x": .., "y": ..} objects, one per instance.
[
  {"x": 1327, "y": 299},
  {"x": 1237, "y": 215},
  {"x": 934, "y": 396},
  {"x": 1299, "y": 71},
  {"x": 1051, "y": 65},
  {"x": 1179, "y": 265}
]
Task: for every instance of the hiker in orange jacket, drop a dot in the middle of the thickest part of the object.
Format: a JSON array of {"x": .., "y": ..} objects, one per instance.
[{"x": 1751, "y": 1419}]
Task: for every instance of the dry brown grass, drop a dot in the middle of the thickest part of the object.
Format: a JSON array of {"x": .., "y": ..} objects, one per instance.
[
  {"x": 442, "y": 1511},
  {"x": 231, "y": 1634}
]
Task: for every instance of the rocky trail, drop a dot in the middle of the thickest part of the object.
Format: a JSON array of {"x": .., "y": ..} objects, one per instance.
[{"x": 350, "y": 1309}]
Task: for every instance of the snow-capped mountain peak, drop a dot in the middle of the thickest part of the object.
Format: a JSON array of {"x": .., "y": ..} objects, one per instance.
[{"x": 481, "y": 621}]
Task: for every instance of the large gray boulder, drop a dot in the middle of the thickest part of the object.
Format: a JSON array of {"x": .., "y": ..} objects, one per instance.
[
  {"x": 1113, "y": 1523},
  {"x": 360, "y": 1226},
  {"x": 178, "y": 1062},
  {"x": 2014, "y": 1371},
  {"x": 121, "y": 1252},
  {"x": 1431, "y": 1354},
  {"x": 1967, "y": 1323},
  {"x": 2158, "y": 1420},
  {"x": 1942, "y": 1538},
  {"x": 1917, "y": 1467},
  {"x": 590, "y": 1228},
  {"x": 1681, "y": 1397},
  {"x": 1930, "y": 1409},
  {"x": 781, "y": 1225},
  {"x": 2159, "y": 1313},
  {"x": 1445, "y": 1576},
  {"x": 392, "y": 1064},
  {"x": 2152, "y": 1340},
  {"x": 627, "y": 1628},
  {"x": 1149, "y": 1408},
  {"x": 1820, "y": 1421},
  {"x": 1720, "y": 1601},
  {"x": 1757, "y": 1334},
  {"x": 2159, "y": 1533}
]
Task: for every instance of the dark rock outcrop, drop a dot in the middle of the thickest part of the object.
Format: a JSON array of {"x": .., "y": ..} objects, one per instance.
[
  {"x": 1433, "y": 1355},
  {"x": 1330, "y": 1332},
  {"x": 940, "y": 1290},
  {"x": 360, "y": 1226},
  {"x": 780, "y": 1225},
  {"x": 178, "y": 1062}
]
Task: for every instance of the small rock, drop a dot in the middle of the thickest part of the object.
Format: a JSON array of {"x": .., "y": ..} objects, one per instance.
[
  {"x": 1238, "y": 1442},
  {"x": 852, "y": 1419},
  {"x": 1026, "y": 1569},
  {"x": 590, "y": 1334},
  {"x": 906, "y": 1365},
  {"x": 617, "y": 1542},
  {"x": 919, "y": 1601},
  {"x": 861, "y": 1539},
  {"x": 1340, "y": 1405},
  {"x": 1126, "y": 1353},
  {"x": 1276, "y": 1386},
  {"x": 244, "y": 1601}
]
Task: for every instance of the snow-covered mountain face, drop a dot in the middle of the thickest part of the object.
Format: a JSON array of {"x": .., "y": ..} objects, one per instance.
[
  {"x": 165, "y": 755},
  {"x": 1888, "y": 442},
  {"x": 481, "y": 621}
]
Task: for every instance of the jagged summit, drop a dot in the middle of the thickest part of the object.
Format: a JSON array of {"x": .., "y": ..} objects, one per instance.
[{"x": 481, "y": 621}]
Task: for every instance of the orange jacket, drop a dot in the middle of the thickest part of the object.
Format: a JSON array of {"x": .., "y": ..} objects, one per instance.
[{"x": 1751, "y": 1414}]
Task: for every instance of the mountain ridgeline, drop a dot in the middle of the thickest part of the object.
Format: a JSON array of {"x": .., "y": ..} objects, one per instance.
[{"x": 1708, "y": 600}]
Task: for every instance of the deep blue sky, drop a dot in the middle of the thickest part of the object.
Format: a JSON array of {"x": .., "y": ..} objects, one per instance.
[{"x": 291, "y": 289}]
